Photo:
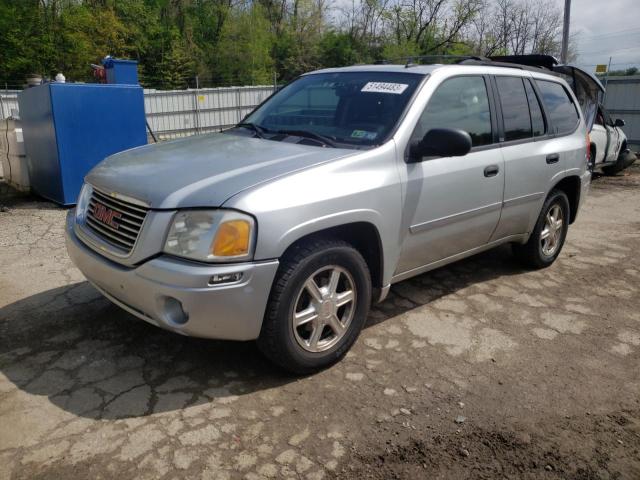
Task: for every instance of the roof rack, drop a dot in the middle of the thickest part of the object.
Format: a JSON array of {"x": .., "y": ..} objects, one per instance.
[
  {"x": 410, "y": 61},
  {"x": 533, "y": 62}
]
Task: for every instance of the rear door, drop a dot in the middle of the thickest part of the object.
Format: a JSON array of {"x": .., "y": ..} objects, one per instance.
[{"x": 532, "y": 155}]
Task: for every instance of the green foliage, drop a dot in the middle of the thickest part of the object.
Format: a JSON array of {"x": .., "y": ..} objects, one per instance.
[
  {"x": 82, "y": 32},
  {"x": 231, "y": 42},
  {"x": 620, "y": 73},
  {"x": 405, "y": 48},
  {"x": 23, "y": 47},
  {"x": 339, "y": 49},
  {"x": 243, "y": 53}
]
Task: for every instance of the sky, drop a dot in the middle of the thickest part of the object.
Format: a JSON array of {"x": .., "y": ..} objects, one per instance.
[{"x": 604, "y": 28}]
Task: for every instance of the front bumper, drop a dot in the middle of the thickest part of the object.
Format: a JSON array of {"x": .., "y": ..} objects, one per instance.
[{"x": 231, "y": 311}]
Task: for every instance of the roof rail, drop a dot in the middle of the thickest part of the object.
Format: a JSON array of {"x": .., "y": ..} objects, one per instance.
[
  {"x": 514, "y": 64},
  {"x": 410, "y": 60},
  {"x": 533, "y": 62}
]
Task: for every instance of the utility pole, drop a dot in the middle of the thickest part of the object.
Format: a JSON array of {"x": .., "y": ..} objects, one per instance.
[
  {"x": 565, "y": 31},
  {"x": 606, "y": 81}
]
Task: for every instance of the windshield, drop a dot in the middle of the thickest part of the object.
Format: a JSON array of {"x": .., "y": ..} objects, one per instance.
[{"x": 344, "y": 109}]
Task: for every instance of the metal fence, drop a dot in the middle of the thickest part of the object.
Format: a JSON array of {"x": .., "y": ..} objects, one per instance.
[
  {"x": 8, "y": 102},
  {"x": 623, "y": 101},
  {"x": 179, "y": 113}
]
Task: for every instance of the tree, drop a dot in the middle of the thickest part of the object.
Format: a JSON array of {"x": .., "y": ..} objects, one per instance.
[
  {"x": 227, "y": 42},
  {"x": 243, "y": 53}
]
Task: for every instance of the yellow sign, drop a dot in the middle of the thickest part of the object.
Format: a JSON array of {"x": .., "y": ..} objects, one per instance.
[
  {"x": 601, "y": 69},
  {"x": 201, "y": 98}
]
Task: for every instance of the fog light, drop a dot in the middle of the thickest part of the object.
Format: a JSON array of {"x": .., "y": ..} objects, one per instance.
[
  {"x": 220, "y": 278},
  {"x": 174, "y": 312}
]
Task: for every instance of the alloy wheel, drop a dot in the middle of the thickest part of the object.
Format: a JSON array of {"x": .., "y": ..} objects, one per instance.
[
  {"x": 551, "y": 234},
  {"x": 324, "y": 308}
]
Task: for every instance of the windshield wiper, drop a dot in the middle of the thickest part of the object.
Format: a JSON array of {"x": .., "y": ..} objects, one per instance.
[
  {"x": 315, "y": 136},
  {"x": 260, "y": 131}
]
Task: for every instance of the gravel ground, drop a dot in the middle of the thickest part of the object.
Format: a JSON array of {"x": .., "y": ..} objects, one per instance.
[{"x": 476, "y": 370}]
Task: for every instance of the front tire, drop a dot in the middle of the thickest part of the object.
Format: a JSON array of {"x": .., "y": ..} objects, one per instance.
[
  {"x": 625, "y": 159},
  {"x": 318, "y": 305},
  {"x": 548, "y": 236}
]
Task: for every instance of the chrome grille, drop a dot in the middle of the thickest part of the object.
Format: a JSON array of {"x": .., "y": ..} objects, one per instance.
[{"x": 123, "y": 220}]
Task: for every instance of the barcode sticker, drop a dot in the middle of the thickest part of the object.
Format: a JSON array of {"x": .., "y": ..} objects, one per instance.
[{"x": 385, "y": 87}]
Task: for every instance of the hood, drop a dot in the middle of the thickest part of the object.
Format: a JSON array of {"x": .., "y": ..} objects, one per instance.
[{"x": 203, "y": 171}]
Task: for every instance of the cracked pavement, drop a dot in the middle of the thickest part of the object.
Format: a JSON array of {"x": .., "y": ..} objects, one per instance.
[{"x": 477, "y": 370}]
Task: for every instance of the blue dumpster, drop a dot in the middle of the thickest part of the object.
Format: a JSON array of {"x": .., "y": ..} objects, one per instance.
[
  {"x": 70, "y": 127},
  {"x": 121, "y": 71}
]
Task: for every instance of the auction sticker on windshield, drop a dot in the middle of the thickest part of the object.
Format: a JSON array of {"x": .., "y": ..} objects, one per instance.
[
  {"x": 385, "y": 87},
  {"x": 364, "y": 134}
]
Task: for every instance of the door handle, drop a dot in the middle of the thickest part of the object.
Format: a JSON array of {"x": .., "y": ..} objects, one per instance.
[
  {"x": 553, "y": 158},
  {"x": 491, "y": 171}
]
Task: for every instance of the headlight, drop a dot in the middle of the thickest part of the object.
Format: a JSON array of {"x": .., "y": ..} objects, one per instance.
[
  {"x": 211, "y": 235},
  {"x": 83, "y": 202}
]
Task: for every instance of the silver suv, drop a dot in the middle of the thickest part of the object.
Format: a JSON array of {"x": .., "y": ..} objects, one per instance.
[{"x": 286, "y": 227}]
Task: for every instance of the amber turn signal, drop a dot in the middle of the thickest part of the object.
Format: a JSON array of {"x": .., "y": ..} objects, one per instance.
[{"x": 232, "y": 239}]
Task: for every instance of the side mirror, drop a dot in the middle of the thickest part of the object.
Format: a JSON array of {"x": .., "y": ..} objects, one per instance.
[
  {"x": 440, "y": 142},
  {"x": 619, "y": 122}
]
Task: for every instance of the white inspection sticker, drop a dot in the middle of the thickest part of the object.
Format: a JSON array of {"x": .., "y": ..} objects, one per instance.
[{"x": 385, "y": 87}]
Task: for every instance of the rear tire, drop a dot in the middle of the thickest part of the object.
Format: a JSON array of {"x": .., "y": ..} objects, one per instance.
[
  {"x": 312, "y": 320},
  {"x": 548, "y": 236}
]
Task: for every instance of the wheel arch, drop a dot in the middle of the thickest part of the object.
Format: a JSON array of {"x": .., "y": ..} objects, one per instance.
[
  {"x": 364, "y": 236},
  {"x": 623, "y": 146},
  {"x": 571, "y": 186}
]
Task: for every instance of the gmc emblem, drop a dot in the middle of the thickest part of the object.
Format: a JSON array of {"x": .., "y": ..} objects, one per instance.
[{"x": 106, "y": 215}]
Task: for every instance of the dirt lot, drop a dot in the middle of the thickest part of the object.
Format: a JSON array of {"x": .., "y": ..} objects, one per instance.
[{"x": 477, "y": 370}]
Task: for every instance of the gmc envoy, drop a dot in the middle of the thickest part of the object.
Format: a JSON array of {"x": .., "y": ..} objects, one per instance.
[{"x": 284, "y": 228}]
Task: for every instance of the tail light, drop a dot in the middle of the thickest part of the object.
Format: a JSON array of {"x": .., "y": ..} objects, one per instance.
[{"x": 588, "y": 155}]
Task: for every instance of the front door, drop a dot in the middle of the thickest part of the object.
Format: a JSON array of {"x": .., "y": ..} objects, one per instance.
[
  {"x": 600, "y": 138},
  {"x": 614, "y": 138},
  {"x": 453, "y": 203}
]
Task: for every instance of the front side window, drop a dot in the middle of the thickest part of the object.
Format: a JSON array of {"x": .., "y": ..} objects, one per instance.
[
  {"x": 561, "y": 109},
  {"x": 515, "y": 108},
  {"x": 346, "y": 109},
  {"x": 459, "y": 102},
  {"x": 607, "y": 118}
]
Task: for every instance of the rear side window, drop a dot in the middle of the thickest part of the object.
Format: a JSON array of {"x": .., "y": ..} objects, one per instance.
[
  {"x": 459, "y": 102},
  {"x": 537, "y": 118},
  {"x": 515, "y": 108},
  {"x": 561, "y": 110}
]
